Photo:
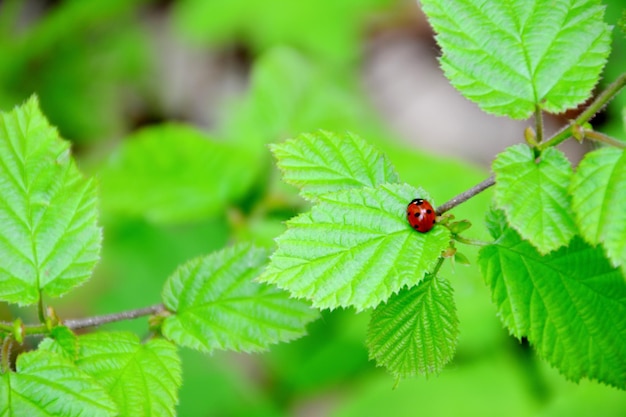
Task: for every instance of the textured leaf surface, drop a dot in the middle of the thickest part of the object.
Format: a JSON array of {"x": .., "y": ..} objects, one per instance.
[
  {"x": 62, "y": 342},
  {"x": 324, "y": 162},
  {"x": 599, "y": 201},
  {"x": 217, "y": 304},
  {"x": 47, "y": 384},
  {"x": 534, "y": 195},
  {"x": 173, "y": 173},
  {"x": 571, "y": 304},
  {"x": 510, "y": 56},
  {"x": 142, "y": 379},
  {"x": 49, "y": 239},
  {"x": 415, "y": 331},
  {"x": 355, "y": 248}
]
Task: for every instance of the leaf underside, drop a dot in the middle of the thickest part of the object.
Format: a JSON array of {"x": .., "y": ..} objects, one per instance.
[
  {"x": 416, "y": 330},
  {"x": 571, "y": 304}
]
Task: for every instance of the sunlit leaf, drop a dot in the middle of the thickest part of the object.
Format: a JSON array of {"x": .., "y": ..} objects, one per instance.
[
  {"x": 416, "y": 330},
  {"x": 355, "y": 248},
  {"x": 142, "y": 378},
  {"x": 324, "y": 162},
  {"x": 599, "y": 201},
  {"x": 49, "y": 239},
  {"x": 61, "y": 341},
  {"x": 511, "y": 56},
  {"x": 534, "y": 195},
  {"x": 217, "y": 305},
  {"x": 47, "y": 384}
]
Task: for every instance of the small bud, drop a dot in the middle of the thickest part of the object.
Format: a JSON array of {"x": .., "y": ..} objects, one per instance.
[
  {"x": 530, "y": 136},
  {"x": 460, "y": 226},
  {"x": 462, "y": 259}
]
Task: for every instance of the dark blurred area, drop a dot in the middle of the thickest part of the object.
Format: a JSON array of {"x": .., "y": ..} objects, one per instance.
[{"x": 252, "y": 72}]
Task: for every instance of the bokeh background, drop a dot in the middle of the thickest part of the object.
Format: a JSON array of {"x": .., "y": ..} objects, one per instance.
[{"x": 252, "y": 72}]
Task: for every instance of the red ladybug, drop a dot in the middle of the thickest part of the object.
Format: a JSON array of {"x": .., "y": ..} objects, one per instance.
[{"x": 421, "y": 215}]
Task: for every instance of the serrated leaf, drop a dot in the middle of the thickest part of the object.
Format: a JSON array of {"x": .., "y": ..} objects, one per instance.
[
  {"x": 599, "y": 201},
  {"x": 355, "y": 248},
  {"x": 143, "y": 379},
  {"x": 509, "y": 57},
  {"x": 49, "y": 239},
  {"x": 571, "y": 304},
  {"x": 415, "y": 331},
  {"x": 47, "y": 384},
  {"x": 217, "y": 305},
  {"x": 173, "y": 173},
  {"x": 61, "y": 341},
  {"x": 534, "y": 195},
  {"x": 324, "y": 162}
]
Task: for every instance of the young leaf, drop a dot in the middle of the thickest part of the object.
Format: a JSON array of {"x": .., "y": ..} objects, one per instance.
[
  {"x": 175, "y": 173},
  {"x": 142, "y": 379},
  {"x": 47, "y": 384},
  {"x": 217, "y": 305},
  {"x": 509, "y": 57},
  {"x": 49, "y": 239},
  {"x": 355, "y": 248},
  {"x": 416, "y": 330},
  {"x": 571, "y": 304},
  {"x": 599, "y": 201},
  {"x": 62, "y": 342},
  {"x": 324, "y": 162},
  {"x": 534, "y": 195}
]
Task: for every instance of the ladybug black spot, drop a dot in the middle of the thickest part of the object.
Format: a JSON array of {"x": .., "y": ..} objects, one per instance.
[{"x": 429, "y": 211}]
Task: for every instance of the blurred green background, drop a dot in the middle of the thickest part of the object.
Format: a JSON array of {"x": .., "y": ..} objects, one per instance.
[{"x": 137, "y": 84}]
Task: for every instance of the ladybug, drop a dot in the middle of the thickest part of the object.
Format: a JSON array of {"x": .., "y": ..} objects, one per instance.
[{"x": 421, "y": 215}]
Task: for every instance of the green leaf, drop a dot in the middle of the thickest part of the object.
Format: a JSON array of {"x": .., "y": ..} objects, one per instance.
[
  {"x": 173, "y": 173},
  {"x": 49, "y": 239},
  {"x": 217, "y": 305},
  {"x": 142, "y": 379},
  {"x": 571, "y": 304},
  {"x": 534, "y": 195},
  {"x": 324, "y": 162},
  {"x": 599, "y": 201},
  {"x": 415, "y": 331},
  {"x": 61, "y": 341},
  {"x": 47, "y": 384},
  {"x": 355, "y": 248},
  {"x": 509, "y": 57}
]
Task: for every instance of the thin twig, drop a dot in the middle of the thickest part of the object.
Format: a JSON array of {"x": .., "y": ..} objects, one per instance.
[
  {"x": 111, "y": 318},
  {"x": 74, "y": 324},
  {"x": 538, "y": 123},
  {"x": 596, "y": 106},
  {"x": 466, "y": 195},
  {"x": 601, "y": 137}
]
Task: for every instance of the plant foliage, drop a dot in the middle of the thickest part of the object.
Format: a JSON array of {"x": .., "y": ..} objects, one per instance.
[
  {"x": 49, "y": 239},
  {"x": 571, "y": 303},
  {"x": 512, "y": 57},
  {"x": 216, "y": 304}
]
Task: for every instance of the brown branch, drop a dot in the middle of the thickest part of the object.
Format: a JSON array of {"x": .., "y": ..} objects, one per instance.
[
  {"x": 466, "y": 195},
  {"x": 74, "y": 324},
  {"x": 111, "y": 318}
]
